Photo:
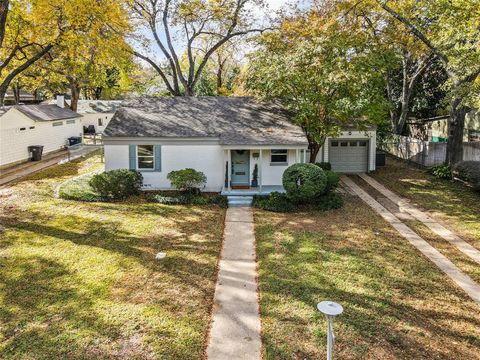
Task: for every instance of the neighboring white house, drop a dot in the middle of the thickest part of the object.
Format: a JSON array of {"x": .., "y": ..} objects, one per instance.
[
  {"x": 25, "y": 125},
  {"x": 97, "y": 113},
  {"x": 224, "y": 137}
]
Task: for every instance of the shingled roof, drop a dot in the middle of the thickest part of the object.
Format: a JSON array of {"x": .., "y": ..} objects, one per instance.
[
  {"x": 43, "y": 112},
  {"x": 233, "y": 120}
]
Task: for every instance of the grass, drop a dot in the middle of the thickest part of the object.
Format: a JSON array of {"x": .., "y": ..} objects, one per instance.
[
  {"x": 398, "y": 305},
  {"x": 452, "y": 202},
  {"x": 78, "y": 188},
  {"x": 79, "y": 280},
  {"x": 462, "y": 261}
]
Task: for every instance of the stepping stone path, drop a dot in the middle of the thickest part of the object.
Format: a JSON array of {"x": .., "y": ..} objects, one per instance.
[{"x": 235, "y": 331}]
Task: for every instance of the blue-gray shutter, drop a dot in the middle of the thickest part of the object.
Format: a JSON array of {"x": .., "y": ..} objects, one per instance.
[
  {"x": 132, "y": 157},
  {"x": 157, "y": 150}
]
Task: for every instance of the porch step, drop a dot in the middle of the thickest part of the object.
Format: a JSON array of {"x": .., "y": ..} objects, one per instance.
[{"x": 237, "y": 201}]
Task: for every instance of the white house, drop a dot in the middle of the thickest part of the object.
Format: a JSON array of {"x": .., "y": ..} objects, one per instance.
[
  {"x": 25, "y": 125},
  {"x": 224, "y": 137},
  {"x": 97, "y": 113}
]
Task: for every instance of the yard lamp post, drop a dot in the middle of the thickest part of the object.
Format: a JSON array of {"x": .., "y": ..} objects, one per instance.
[{"x": 330, "y": 309}]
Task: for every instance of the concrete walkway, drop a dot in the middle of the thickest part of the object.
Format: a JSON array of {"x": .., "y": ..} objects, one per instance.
[
  {"x": 29, "y": 168},
  {"x": 433, "y": 225},
  {"x": 235, "y": 332},
  {"x": 458, "y": 277}
]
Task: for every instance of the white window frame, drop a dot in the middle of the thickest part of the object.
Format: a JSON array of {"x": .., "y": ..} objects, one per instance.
[
  {"x": 145, "y": 156},
  {"x": 71, "y": 121},
  {"x": 57, "y": 123},
  {"x": 284, "y": 152}
]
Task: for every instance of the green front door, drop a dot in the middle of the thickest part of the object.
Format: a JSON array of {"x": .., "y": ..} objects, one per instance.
[{"x": 240, "y": 168}]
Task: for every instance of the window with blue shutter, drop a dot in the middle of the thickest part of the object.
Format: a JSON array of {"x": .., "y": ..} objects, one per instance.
[
  {"x": 158, "y": 157},
  {"x": 132, "y": 157}
]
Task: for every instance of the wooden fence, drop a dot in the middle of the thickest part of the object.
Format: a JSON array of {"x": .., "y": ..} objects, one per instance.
[{"x": 426, "y": 153}]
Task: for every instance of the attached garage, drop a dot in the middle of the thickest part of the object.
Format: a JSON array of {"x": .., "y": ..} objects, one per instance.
[{"x": 348, "y": 155}]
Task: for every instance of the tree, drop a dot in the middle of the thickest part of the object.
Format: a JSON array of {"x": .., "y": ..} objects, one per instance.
[
  {"x": 451, "y": 31},
  {"x": 23, "y": 40},
  {"x": 194, "y": 21},
  {"x": 92, "y": 45},
  {"x": 324, "y": 74}
]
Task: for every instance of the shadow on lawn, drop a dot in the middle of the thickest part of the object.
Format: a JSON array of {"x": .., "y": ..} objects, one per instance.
[
  {"x": 38, "y": 306},
  {"x": 387, "y": 317},
  {"x": 185, "y": 279}
]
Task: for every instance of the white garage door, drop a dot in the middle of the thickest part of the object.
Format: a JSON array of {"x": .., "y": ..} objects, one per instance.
[{"x": 348, "y": 156}]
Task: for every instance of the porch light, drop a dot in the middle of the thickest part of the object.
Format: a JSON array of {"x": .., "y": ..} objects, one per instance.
[{"x": 330, "y": 309}]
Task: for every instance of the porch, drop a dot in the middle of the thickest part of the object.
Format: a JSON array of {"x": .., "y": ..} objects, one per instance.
[
  {"x": 258, "y": 171},
  {"x": 265, "y": 190}
]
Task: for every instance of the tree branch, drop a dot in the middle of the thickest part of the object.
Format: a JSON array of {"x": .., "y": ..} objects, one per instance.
[{"x": 158, "y": 70}]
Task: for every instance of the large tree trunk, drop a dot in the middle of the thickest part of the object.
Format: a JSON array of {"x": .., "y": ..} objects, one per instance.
[
  {"x": 456, "y": 126},
  {"x": 75, "y": 89}
]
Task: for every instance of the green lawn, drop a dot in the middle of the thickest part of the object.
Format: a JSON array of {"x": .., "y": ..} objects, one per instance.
[
  {"x": 398, "y": 305},
  {"x": 452, "y": 202},
  {"x": 80, "y": 280}
]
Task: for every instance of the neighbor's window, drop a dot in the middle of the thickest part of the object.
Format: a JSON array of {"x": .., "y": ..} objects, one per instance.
[
  {"x": 145, "y": 157},
  {"x": 70, "y": 121},
  {"x": 57, "y": 123},
  {"x": 279, "y": 156},
  {"x": 334, "y": 143},
  {"x": 100, "y": 122},
  {"x": 362, "y": 143}
]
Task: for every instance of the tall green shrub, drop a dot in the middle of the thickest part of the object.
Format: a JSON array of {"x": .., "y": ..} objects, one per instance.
[
  {"x": 189, "y": 180},
  {"x": 117, "y": 184},
  {"x": 303, "y": 182}
]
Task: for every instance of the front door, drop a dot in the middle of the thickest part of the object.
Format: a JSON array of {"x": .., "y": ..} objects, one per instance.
[{"x": 240, "y": 168}]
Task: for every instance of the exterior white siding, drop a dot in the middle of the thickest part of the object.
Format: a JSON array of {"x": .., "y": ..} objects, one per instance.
[
  {"x": 94, "y": 119},
  {"x": 272, "y": 174},
  {"x": 358, "y": 135},
  {"x": 14, "y": 141},
  {"x": 205, "y": 158}
]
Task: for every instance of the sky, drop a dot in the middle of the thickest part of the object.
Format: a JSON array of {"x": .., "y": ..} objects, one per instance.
[{"x": 273, "y": 5}]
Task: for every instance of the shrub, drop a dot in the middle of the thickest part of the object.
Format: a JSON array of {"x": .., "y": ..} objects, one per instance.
[
  {"x": 329, "y": 201},
  {"x": 276, "y": 201},
  {"x": 442, "y": 171},
  {"x": 324, "y": 165},
  {"x": 190, "y": 199},
  {"x": 304, "y": 182},
  {"x": 189, "y": 180},
  {"x": 332, "y": 181},
  {"x": 117, "y": 184},
  {"x": 468, "y": 171}
]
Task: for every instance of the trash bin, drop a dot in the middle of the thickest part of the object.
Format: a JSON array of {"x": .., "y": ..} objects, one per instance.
[
  {"x": 74, "y": 140},
  {"x": 380, "y": 158},
  {"x": 35, "y": 152}
]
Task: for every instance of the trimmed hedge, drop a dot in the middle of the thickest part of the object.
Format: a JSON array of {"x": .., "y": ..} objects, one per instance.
[
  {"x": 324, "y": 165},
  {"x": 303, "y": 182},
  {"x": 329, "y": 201},
  {"x": 332, "y": 181},
  {"x": 188, "y": 179},
  {"x": 117, "y": 184},
  {"x": 190, "y": 199},
  {"x": 468, "y": 171},
  {"x": 275, "y": 201}
]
